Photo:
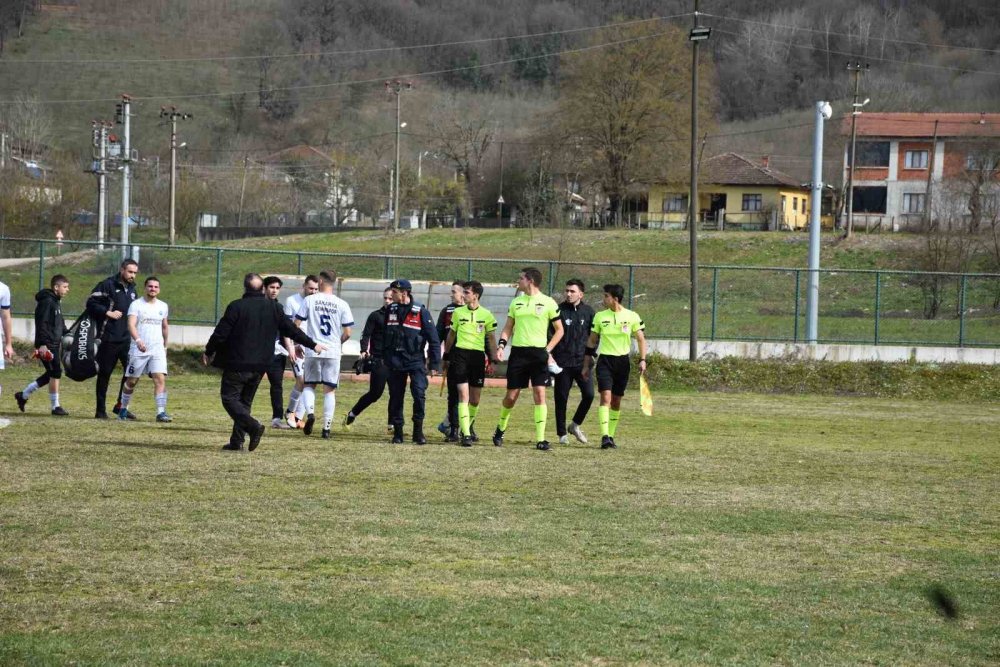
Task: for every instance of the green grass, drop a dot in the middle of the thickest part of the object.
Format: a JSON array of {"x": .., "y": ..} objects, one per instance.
[
  {"x": 752, "y": 304},
  {"x": 728, "y": 529}
]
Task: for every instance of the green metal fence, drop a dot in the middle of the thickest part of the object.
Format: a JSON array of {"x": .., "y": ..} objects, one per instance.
[{"x": 737, "y": 302}]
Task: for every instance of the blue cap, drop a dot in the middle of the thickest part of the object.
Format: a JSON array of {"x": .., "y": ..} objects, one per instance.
[{"x": 402, "y": 284}]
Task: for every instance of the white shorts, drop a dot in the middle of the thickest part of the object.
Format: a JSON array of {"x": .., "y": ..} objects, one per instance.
[
  {"x": 147, "y": 363},
  {"x": 317, "y": 370}
]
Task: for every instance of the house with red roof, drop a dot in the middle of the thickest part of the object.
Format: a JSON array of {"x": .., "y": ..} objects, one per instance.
[{"x": 905, "y": 158}]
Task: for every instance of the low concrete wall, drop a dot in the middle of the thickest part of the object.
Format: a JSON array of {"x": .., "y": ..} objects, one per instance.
[{"x": 196, "y": 336}]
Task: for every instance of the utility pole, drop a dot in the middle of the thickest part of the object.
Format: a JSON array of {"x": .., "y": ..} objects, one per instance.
[
  {"x": 243, "y": 189},
  {"x": 500, "y": 198},
  {"x": 396, "y": 87},
  {"x": 857, "y": 69},
  {"x": 100, "y": 140},
  {"x": 3, "y": 150},
  {"x": 173, "y": 115},
  {"x": 698, "y": 34},
  {"x": 123, "y": 116},
  {"x": 823, "y": 112}
]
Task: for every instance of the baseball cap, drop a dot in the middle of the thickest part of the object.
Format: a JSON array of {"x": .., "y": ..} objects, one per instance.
[{"x": 402, "y": 284}]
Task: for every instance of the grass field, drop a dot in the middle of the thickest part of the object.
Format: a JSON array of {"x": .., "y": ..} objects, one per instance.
[{"x": 728, "y": 529}]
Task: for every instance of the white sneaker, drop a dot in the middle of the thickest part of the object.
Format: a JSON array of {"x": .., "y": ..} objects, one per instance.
[
  {"x": 563, "y": 439},
  {"x": 291, "y": 420},
  {"x": 574, "y": 429},
  {"x": 278, "y": 422},
  {"x": 555, "y": 368}
]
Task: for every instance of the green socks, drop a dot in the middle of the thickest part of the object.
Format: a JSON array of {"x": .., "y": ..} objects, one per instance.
[
  {"x": 504, "y": 417},
  {"x": 463, "y": 418},
  {"x": 613, "y": 416},
  {"x": 541, "y": 414},
  {"x": 602, "y": 418}
]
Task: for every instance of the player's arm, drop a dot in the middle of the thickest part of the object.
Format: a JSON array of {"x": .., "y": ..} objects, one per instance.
[
  {"x": 133, "y": 331},
  {"x": 591, "y": 351},
  {"x": 449, "y": 341},
  {"x": 557, "y": 334},
  {"x": 8, "y": 348},
  {"x": 640, "y": 338},
  {"x": 508, "y": 331},
  {"x": 345, "y": 334},
  {"x": 165, "y": 328},
  {"x": 491, "y": 346}
]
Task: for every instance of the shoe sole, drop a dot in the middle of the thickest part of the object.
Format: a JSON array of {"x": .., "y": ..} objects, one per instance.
[{"x": 307, "y": 428}]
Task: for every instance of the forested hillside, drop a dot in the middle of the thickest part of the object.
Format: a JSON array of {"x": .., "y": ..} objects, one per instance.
[{"x": 261, "y": 75}]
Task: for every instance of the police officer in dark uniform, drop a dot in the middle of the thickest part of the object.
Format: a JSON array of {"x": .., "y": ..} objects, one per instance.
[
  {"x": 372, "y": 350},
  {"x": 409, "y": 329},
  {"x": 108, "y": 306},
  {"x": 577, "y": 319}
]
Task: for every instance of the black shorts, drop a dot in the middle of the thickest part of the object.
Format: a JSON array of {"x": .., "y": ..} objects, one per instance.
[
  {"x": 467, "y": 366},
  {"x": 52, "y": 368},
  {"x": 612, "y": 373},
  {"x": 527, "y": 365}
]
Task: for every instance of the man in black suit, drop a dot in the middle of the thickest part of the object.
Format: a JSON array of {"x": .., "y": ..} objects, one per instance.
[{"x": 242, "y": 345}]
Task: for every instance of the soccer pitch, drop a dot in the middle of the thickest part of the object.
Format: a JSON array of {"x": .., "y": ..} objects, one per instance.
[{"x": 727, "y": 529}]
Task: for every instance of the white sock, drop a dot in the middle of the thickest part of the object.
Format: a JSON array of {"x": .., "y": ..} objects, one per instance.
[
  {"x": 300, "y": 409},
  {"x": 329, "y": 404},
  {"x": 126, "y": 399},
  {"x": 161, "y": 402},
  {"x": 309, "y": 400},
  {"x": 54, "y": 400},
  {"x": 30, "y": 389},
  {"x": 293, "y": 400}
]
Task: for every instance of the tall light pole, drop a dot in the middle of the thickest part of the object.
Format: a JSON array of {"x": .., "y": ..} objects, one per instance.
[
  {"x": 396, "y": 87},
  {"x": 823, "y": 113},
  {"x": 173, "y": 115},
  {"x": 857, "y": 69},
  {"x": 698, "y": 34},
  {"x": 123, "y": 117}
]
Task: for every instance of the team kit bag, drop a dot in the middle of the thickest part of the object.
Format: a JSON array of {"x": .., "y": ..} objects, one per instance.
[{"x": 79, "y": 349}]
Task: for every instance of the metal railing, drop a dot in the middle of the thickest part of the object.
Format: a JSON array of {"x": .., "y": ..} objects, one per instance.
[{"x": 744, "y": 303}]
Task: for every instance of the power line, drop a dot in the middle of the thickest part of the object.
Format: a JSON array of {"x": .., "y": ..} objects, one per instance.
[
  {"x": 337, "y": 84},
  {"x": 850, "y": 36},
  {"x": 317, "y": 54}
]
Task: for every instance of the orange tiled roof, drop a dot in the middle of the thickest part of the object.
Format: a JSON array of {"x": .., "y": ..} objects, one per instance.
[
  {"x": 734, "y": 169},
  {"x": 922, "y": 125}
]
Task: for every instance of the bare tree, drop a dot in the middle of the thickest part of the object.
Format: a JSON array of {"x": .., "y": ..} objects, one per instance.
[
  {"x": 29, "y": 125},
  {"x": 464, "y": 134}
]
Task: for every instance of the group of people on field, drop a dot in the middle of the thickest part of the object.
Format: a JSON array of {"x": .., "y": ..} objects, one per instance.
[
  {"x": 134, "y": 331},
  {"x": 544, "y": 343}
]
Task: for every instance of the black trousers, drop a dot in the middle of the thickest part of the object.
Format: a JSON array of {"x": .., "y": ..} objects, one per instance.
[
  {"x": 275, "y": 376},
  {"x": 563, "y": 383},
  {"x": 452, "y": 401},
  {"x": 377, "y": 380},
  {"x": 237, "y": 392},
  {"x": 397, "y": 392},
  {"x": 108, "y": 353}
]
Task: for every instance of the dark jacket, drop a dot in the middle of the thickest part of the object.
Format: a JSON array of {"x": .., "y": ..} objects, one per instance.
[
  {"x": 243, "y": 339},
  {"x": 374, "y": 332},
  {"x": 50, "y": 326},
  {"x": 577, "y": 321},
  {"x": 111, "y": 294},
  {"x": 408, "y": 330},
  {"x": 444, "y": 323}
]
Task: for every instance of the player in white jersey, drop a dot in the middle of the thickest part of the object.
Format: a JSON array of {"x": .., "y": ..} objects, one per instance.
[
  {"x": 327, "y": 319},
  {"x": 295, "y": 412},
  {"x": 149, "y": 329},
  {"x": 5, "y": 329}
]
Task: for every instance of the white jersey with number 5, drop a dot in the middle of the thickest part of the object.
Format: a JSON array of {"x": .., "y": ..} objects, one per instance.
[{"x": 326, "y": 316}]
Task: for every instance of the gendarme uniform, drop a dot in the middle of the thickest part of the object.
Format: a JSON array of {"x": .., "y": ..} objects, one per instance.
[
  {"x": 467, "y": 357},
  {"x": 528, "y": 357},
  {"x": 616, "y": 330}
]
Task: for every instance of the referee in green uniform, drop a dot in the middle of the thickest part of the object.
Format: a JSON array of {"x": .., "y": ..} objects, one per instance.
[
  {"x": 470, "y": 340},
  {"x": 527, "y": 328},
  {"x": 611, "y": 339}
]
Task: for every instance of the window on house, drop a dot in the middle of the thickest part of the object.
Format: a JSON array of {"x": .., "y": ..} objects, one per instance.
[
  {"x": 913, "y": 202},
  {"x": 916, "y": 159},
  {"x": 871, "y": 154},
  {"x": 675, "y": 203},
  {"x": 784, "y": 202},
  {"x": 981, "y": 162},
  {"x": 869, "y": 199},
  {"x": 795, "y": 204},
  {"x": 753, "y": 202}
]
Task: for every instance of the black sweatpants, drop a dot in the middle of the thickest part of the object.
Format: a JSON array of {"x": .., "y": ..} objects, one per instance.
[
  {"x": 377, "y": 380},
  {"x": 563, "y": 384},
  {"x": 108, "y": 353},
  {"x": 237, "y": 391},
  {"x": 275, "y": 376}
]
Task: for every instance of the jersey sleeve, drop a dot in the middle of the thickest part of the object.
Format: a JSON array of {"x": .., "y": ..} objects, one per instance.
[
  {"x": 4, "y": 297},
  {"x": 290, "y": 308},
  {"x": 638, "y": 325},
  {"x": 303, "y": 312},
  {"x": 166, "y": 311},
  {"x": 510, "y": 308},
  {"x": 491, "y": 323},
  {"x": 347, "y": 319},
  {"x": 453, "y": 326},
  {"x": 133, "y": 308},
  {"x": 553, "y": 311}
]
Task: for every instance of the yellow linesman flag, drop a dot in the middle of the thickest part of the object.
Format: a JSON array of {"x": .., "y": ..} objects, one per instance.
[{"x": 645, "y": 396}]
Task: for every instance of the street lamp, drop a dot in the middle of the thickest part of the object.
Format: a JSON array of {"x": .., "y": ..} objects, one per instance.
[
  {"x": 823, "y": 113},
  {"x": 396, "y": 87}
]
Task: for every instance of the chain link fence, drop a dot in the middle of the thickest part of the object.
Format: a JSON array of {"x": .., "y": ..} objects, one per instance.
[{"x": 735, "y": 302}]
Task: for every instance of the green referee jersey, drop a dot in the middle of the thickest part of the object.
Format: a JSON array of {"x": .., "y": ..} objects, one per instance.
[
  {"x": 616, "y": 330},
  {"x": 532, "y": 315},
  {"x": 471, "y": 327}
]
